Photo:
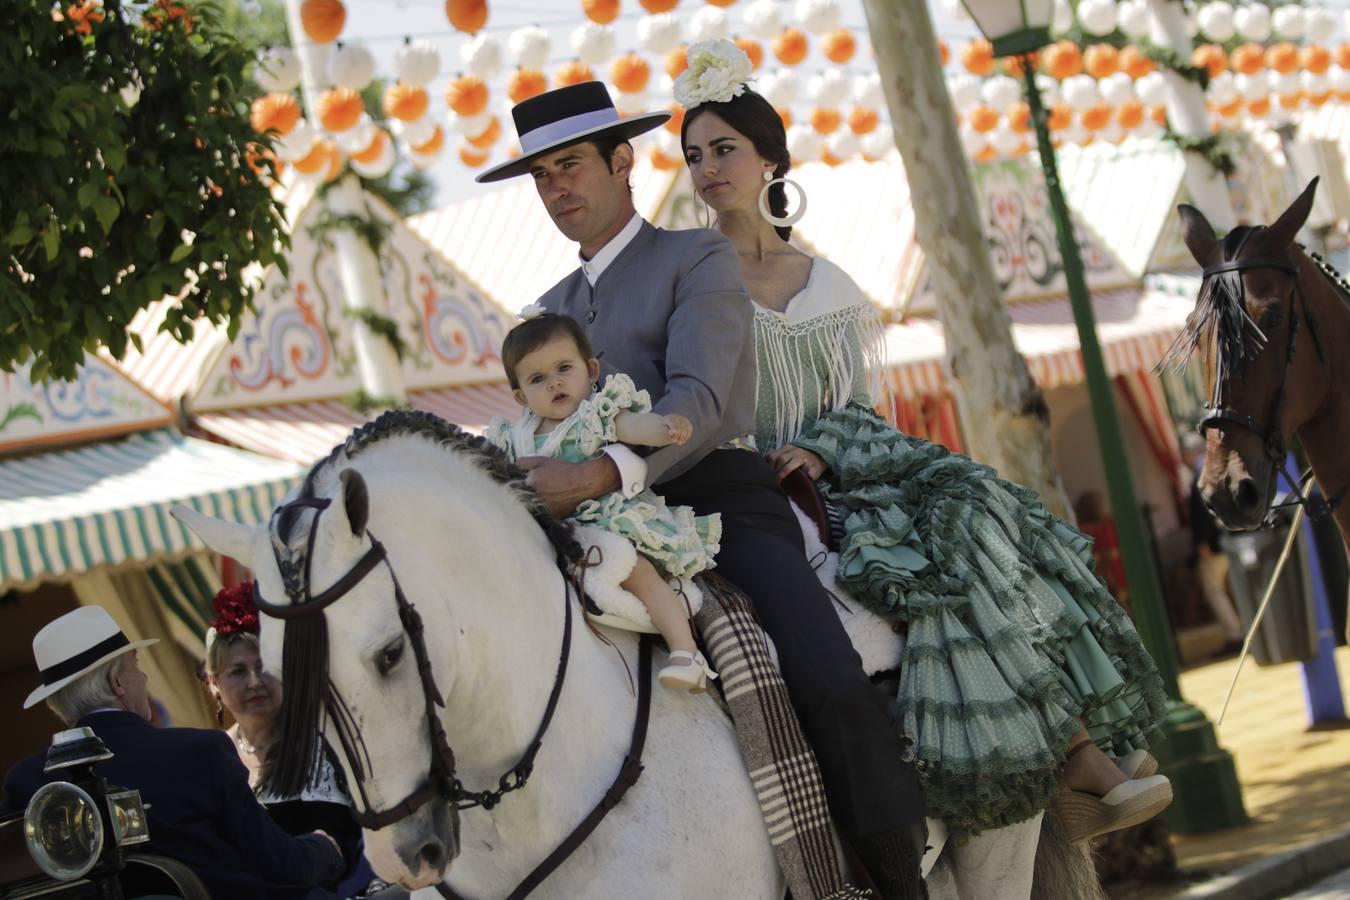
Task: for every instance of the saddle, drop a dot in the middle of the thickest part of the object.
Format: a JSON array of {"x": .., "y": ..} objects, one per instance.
[{"x": 802, "y": 491}]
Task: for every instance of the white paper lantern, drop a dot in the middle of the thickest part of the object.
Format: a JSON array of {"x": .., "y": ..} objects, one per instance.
[
  {"x": 1000, "y": 92},
  {"x": 829, "y": 88},
  {"x": 879, "y": 141},
  {"x": 471, "y": 126},
  {"x": 1251, "y": 87},
  {"x": 1062, "y": 20},
  {"x": 381, "y": 164},
  {"x": 593, "y": 44},
  {"x": 529, "y": 47},
  {"x": 351, "y": 66},
  {"x": 955, "y": 10},
  {"x": 1049, "y": 89},
  {"x": 1097, "y": 16},
  {"x": 417, "y": 63},
  {"x": 1112, "y": 133},
  {"x": 1076, "y": 134},
  {"x": 1117, "y": 89},
  {"x": 1222, "y": 89},
  {"x": 761, "y": 19},
  {"x": 1216, "y": 21},
  {"x": 1339, "y": 79},
  {"x": 659, "y": 34},
  {"x": 1004, "y": 140},
  {"x": 668, "y": 144},
  {"x": 422, "y": 161},
  {"x": 818, "y": 16},
  {"x": 804, "y": 143},
  {"x": 630, "y": 104},
  {"x": 278, "y": 70},
  {"x": 964, "y": 90},
  {"x": 482, "y": 55},
  {"x": 844, "y": 143},
  {"x": 1318, "y": 23},
  {"x": 1315, "y": 83},
  {"x": 1152, "y": 89},
  {"x": 1252, "y": 21},
  {"x": 298, "y": 143},
  {"x": 418, "y": 132},
  {"x": 356, "y": 138},
  {"x": 1080, "y": 91},
  {"x": 1289, "y": 22},
  {"x": 783, "y": 88},
  {"x": 1148, "y": 127},
  {"x": 708, "y": 24},
  {"x": 868, "y": 92},
  {"x": 1192, "y": 26},
  {"x": 1132, "y": 18},
  {"x": 1283, "y": 83}
]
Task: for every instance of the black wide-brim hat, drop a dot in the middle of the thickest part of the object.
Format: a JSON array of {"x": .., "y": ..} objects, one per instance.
[{"x": 565, "y": 116}]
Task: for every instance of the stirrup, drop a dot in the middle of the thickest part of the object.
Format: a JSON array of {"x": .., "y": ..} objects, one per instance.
[{"x": 691, "y": 675}]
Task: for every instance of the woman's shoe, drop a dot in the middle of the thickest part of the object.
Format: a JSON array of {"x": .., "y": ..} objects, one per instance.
[
  {"x": 688, "y": 671},
  {"x": 1086, "y": 816},
  {"x": 1138, "y": 764}
]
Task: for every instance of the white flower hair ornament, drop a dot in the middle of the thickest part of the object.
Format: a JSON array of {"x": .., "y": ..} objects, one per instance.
[
  {"x": 533, "y": 311},
  {"x": 718, "y": 71}
]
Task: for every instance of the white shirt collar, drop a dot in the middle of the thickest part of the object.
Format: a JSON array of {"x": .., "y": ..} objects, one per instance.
[{"x": 594, "y": 267}]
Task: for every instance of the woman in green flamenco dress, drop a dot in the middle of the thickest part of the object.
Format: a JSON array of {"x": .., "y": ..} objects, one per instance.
[{"x": 1023, "y": 682}]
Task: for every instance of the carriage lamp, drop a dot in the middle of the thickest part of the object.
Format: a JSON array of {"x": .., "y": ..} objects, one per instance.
[
  {"x": 1013, "y": 27},
  {"x": 75, "y": 748},
  {"x": 63, "y": 830},
  {"x": 126, "y": 812}
]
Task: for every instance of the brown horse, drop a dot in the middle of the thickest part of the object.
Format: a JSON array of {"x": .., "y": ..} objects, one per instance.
[{"x": 1273, "y": 328}]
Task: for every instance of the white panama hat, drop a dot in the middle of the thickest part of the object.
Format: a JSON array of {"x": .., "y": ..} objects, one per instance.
[{"x": 74, "y": 644}]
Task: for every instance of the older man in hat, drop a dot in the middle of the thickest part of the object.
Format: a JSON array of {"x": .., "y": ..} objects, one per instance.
[
  {"x": 200, "y": 808},
  {"x": 669, "y": 309}
]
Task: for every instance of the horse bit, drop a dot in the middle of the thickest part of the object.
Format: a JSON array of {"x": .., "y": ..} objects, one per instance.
[{"x": 1216, "y": 413}]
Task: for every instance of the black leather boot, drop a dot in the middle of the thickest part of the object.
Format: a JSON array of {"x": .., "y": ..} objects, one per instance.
[{"x": 893, "y": 858}]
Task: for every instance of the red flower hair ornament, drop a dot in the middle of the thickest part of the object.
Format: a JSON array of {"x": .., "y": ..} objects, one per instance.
[{"x": 236, "y": 613}]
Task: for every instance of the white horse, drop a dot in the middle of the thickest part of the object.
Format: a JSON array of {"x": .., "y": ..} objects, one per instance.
[{"x": 464, "y": 544}]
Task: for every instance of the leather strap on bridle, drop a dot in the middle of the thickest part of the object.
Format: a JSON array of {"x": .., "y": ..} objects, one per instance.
[{"x": 629, "y": 772}]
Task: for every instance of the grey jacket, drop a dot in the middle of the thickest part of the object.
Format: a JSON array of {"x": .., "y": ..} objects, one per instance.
[{"x": 672, "y": 313}]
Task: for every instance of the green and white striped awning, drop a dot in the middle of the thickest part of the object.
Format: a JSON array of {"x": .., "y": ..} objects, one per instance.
[{"x": 107, "y": 504}]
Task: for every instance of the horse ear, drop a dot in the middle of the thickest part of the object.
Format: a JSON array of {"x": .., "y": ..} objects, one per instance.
[
  {"x": 1198, "y": 235},
  {"x": 226, "y": 538},
  {"x": 356, "y": 500},
  {"x": 1286, "y": 227}
]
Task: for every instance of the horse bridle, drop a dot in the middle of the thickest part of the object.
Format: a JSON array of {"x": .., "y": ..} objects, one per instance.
[
  {"x": 441, "y": 779},
  {"x": 1217, "y": 414}
]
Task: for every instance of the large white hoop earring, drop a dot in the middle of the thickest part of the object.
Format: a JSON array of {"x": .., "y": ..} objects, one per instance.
[{"x": 781, "y": 221}]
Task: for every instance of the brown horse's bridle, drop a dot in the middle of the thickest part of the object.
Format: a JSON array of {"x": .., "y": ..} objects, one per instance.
[{"x": 1217, "y": 413}]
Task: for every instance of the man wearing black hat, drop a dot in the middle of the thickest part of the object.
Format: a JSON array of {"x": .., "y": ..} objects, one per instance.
[
  {"x": 199, "y": 806},
  {"x": 669, "y": 309}
]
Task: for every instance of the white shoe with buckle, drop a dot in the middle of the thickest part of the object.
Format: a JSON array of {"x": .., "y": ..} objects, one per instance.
[{"x": 687, "y": 671}]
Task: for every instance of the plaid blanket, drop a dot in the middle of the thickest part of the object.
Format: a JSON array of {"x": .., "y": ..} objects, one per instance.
[{"x": 782, "y": 765}]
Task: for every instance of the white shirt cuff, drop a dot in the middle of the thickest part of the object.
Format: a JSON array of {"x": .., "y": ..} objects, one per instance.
[{"x": 632, "y": 468}]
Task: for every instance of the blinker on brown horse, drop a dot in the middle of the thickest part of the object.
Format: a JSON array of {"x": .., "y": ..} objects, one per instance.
[{"x": 1273, "y": 329}]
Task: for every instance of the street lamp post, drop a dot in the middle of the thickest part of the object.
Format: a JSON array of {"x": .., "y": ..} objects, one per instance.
[{"x": 1205, "y": 782}]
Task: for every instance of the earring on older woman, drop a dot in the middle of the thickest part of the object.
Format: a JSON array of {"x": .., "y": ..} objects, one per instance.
[
  {"x": 220, "y": 711},
  {"x": 780, "y": 221}
]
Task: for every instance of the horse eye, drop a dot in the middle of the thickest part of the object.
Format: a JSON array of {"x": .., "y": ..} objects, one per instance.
[
  {"x": 1272, "y": 320},
  {"x": 389, "y": 657}
]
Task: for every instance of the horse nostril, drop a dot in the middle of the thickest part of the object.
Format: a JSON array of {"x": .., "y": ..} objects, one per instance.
[
  {"x": 433, "y": 854},
  {"x": 1247, "y": 497}
]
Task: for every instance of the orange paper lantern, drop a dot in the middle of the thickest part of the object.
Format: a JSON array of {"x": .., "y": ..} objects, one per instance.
[
  {"x": 275, "y": 112},
  {"x": 1292, "y": 101},
  {"x": 1062, "y": 60},
  {"x": 838, "y": 45},
  {"x": 829, "y": 158},
  {"x": 601, "y": 12},
  {"x": 376, "y": 147},
  {"x": 1248, "y": 59},
  {"x": 322, "y": 20},
  {"x": 677, "y": 61},
  {"x": 752, "y": 49},
  {"x": 405, "y": 102},
  {"x": 340, "y": 108},
  {"x": 1259, "y": 107},
  {"x": 723, "y": 3},
  {"x": 1096, "y": 117},
  {"x": 630, "y": 73},
  {"x": 1016, "y": 65},
  {"x": 571, "y": 73},
  {"x": 1130, "y": 115},
  {"x": 662, "y": 162},
  {"x": 1211, "y": 58},
  {"x": 471, "y": 157},
  {"x": 1230, "y": 109},
  {"x": 785, "y": 115},
  {"x": 1282, "y": 57},
  {"x": 312, "y": 162},
  {"x": 488, "y": 136},
  {"x": 826, "y": 121},
  {"x": 1343, "y": 56},
  {"x": 334, "y": 162},
  {"x": 978, "y": 57},
  {"x": 1159, "y": 114},
  {"x": 790, "y": 46},
  {"x": 1319, "y": 99},
  {"x": 1060, "y": 118},
  {"x": 986, "y": 155},
  {"x": 1315, "y": 59},
  {"x": 863, "y": 120},
  {"x": 433, "y": 144},
  {"x": 1019, "y": 117},
  {"x": 468, "y": 16},
  {"x": 982, "y": 118},
  {"x": 1101, "y": 61},
  {"x": 676, "y": 119},
  {"x": 944, "y": 52},
  {"x": 655, "y": 7},
  {"x": 467, "y": 95},
  {"x": 526, "y": 83},
  {"x": 1134, "y": 63}
]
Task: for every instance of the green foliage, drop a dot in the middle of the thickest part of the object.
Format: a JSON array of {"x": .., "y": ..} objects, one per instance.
[
  {"x": 1213, "y": 147},
  {"x": 381, "y": 325},
  {"x": 362, "y": 402},
  {"x": 106, "y": 208}
]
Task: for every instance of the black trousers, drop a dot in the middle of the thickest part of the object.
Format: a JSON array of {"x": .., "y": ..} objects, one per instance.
[{"x": 849, "y": 721}]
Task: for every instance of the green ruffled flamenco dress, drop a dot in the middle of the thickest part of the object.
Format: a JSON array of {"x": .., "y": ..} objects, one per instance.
[{"x": 1011, "y": 638}]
